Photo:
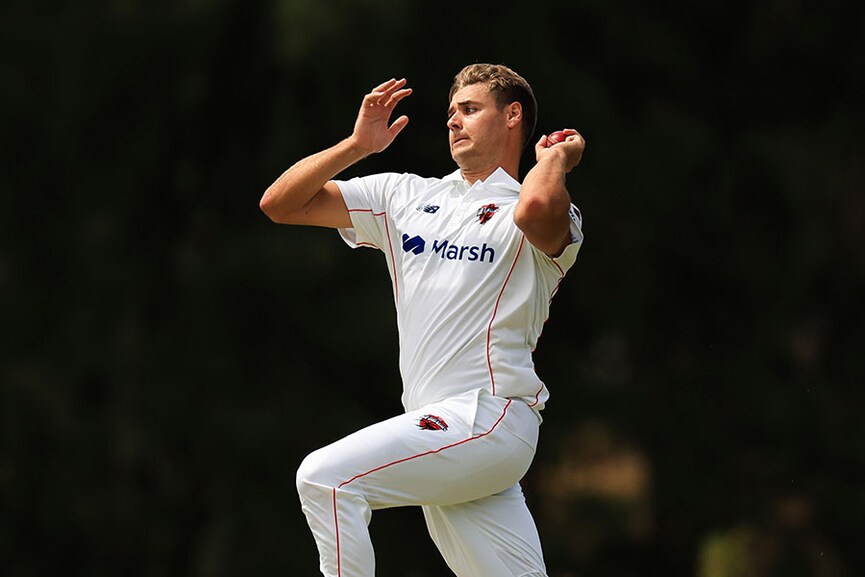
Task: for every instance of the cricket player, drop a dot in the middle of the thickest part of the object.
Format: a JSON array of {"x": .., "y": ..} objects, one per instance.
[{"x": 475, "y": 258}]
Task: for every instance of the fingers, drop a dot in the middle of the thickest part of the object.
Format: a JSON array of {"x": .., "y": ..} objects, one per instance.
[
  {"x": 398, "y": 125},
  {"x": 573, "y": 135},
  {"x": 398, "y": 95},
  {"x": 387, "y": 94},
  {"x": 385, "y": 85},
  {"x": 571, "y": 147}
]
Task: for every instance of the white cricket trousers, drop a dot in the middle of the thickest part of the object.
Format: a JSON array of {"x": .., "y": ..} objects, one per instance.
[{"x": 460, "y": 459}]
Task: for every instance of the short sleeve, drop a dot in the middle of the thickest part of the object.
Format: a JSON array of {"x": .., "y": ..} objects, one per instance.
[
  {"x": 565, "y": 260},
  {"x": 366, "y": 199}
]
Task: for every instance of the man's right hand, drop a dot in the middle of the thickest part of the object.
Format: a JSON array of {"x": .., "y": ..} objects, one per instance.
[
  {"x": 371, "y": 131},
  {"x": 305, "y": 194}
]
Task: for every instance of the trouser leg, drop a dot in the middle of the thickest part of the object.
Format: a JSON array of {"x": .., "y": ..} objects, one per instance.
[
  {"x": 446, "y": 453},
  {"x": 490, "y": 537},
  {"x": 339, "y": 521}
]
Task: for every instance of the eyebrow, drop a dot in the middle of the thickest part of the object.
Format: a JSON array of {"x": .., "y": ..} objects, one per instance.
[{"x": 463, "y": 103}]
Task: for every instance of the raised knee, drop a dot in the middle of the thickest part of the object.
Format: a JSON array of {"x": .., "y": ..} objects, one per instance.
[{"x": 313, "y": 473}]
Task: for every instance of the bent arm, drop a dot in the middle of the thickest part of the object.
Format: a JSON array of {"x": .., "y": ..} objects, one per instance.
[
  {"x": 304, "y": 194},
  {"x": 542, "y": 209}
]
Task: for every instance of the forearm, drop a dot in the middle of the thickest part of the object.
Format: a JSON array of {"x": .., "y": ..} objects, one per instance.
[
  {"x": 543, "y": 194},
  {"x": 544, "y": 185},
  {"x": 298, "y": 185}
]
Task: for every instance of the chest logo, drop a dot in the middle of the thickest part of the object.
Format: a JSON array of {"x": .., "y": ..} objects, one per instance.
[
  {"x": 486, "y": 212},
  {"x": 446, "y": 250},
  {"x": 429, "y": 208},
  {"x": 413, "y": 244}
]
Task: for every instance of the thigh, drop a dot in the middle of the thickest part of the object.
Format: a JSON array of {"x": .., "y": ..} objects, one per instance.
[
  {"x": 446, "y": 452},
  {"x": 495, "y": 535}
]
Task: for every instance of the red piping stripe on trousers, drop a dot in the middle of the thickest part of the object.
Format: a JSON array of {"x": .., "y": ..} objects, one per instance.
[{"x": 434, "y": 451}]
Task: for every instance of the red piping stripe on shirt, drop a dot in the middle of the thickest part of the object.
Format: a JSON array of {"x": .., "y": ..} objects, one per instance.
[
  {"x": 336, "y": 531},
  {"x": 538, "y": 396},
  {"x": 496, "y": 309},
  {"x": 389, "y": 246},
  {"x": 558, "y": 282},
  {"x": 552, "y": 294}
]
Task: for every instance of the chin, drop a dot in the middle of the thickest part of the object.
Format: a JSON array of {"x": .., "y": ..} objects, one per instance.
[{"x": 460, "y": 156}]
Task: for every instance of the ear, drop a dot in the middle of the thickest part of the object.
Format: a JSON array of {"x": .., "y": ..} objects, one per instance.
[{"x": 514, "y": 114}]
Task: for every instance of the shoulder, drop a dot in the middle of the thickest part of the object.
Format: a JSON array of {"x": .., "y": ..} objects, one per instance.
[
  {"x": 390, "y": 181},
  {"x": 395, "y": 177}
]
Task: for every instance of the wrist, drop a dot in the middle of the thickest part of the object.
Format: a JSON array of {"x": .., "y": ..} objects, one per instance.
[
  {"x": 554, "y": 160},
  {"x": 355, "y": 149}
]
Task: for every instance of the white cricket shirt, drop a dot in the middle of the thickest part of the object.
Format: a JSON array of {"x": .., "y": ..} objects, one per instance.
[{"x": 471, "y": 293}]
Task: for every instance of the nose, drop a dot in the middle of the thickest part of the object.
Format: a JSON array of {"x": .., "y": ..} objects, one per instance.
[{"x": 453, "y": 121}]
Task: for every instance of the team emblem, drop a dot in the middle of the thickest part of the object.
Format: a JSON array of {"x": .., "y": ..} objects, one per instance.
[
  {"x": 432, "y": 423},
  {"x": 486, "y": 212}
]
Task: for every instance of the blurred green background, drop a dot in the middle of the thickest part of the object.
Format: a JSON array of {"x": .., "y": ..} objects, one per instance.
[{"x": 168, "y": 355}]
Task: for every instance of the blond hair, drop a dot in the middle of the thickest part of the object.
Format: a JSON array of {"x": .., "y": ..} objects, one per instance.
[{"x": 506, "y": 86}]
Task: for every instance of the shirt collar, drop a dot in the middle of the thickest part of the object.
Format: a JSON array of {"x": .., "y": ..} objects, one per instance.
[{"x": 498, "y": 179}]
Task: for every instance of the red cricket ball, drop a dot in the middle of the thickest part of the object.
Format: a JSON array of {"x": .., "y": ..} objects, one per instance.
[{"x": 557, "y": 137}]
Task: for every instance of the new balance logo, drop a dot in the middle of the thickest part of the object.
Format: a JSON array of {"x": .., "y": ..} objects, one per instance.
[
  {"x": 430, "y": 208},
  {"x": 446, "y": 250},
  {"x": 414, "y": 244}
]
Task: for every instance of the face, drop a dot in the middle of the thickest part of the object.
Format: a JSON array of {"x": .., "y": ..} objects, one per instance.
[{"x": 477, "y": 129}]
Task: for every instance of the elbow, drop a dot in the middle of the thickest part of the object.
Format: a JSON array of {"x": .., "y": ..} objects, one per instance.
[
  {"x": 527, "y": 210},
  {"x": 544, "y": 222},
  {"x": 539, "y": 210},
  {"x": 270, "y": 207},
  {"x": 266, "y": 206}
]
